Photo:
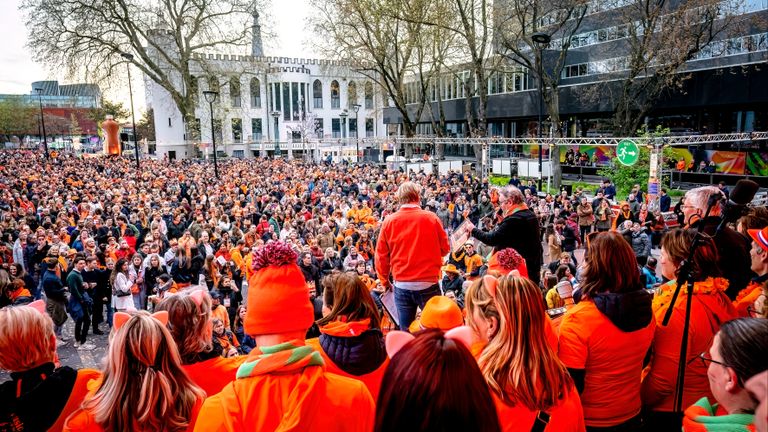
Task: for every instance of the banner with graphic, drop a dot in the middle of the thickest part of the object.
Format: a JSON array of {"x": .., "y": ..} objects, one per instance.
[{"x": 757, "y": 163}]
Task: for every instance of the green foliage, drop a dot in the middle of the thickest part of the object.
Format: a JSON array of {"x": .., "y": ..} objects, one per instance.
[
  {"x": 497, "y": 180},
  {"x": 145, "y": 127},
  {"x": 115, "y": 109},
  {"x": 624, "y": 177},
  {"x": 18, "y": 117}
]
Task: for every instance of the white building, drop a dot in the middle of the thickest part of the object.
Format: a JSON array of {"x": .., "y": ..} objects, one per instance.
[{"x": 264, "y": 101}]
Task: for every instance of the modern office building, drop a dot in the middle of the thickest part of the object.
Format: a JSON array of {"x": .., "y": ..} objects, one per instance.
[
  {"x": 55, "y": 95},
  {"x": 725, "y": 91},
  {"x": 265, "y": 103}
]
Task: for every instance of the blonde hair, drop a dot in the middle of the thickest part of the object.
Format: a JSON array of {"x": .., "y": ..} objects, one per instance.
[
  {"x": 518, "y": 363},
  {"x": 190, "y": 325},
  {"x": 408, "y": 192},
  {"x": 26, "y": 339},
  {"x": 143, "y": 385}
]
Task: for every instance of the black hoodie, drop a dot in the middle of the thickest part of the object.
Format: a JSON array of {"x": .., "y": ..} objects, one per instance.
[{"x": 629, "y": 311}]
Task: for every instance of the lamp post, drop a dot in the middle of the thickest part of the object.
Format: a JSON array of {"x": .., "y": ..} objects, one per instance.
[
  {"x": 356, "y": 109},
  {"x": 129, "y": 58},
  {"x": 276, "y": 115},
  {"x": 210, "y": 97},
  {"x": 343, "y": 117},
  {"x": 541, "y": 40},
  {"x": 39, "y": 91}
]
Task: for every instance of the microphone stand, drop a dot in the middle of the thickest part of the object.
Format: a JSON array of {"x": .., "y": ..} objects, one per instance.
[{"x": 685, "y": 276}]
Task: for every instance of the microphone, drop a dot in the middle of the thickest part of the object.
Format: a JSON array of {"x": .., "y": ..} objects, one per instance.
[{"x": 743, "y": 194}]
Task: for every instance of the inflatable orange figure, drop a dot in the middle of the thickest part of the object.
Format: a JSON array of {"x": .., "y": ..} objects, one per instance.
[{"x": 112, "y": 142}]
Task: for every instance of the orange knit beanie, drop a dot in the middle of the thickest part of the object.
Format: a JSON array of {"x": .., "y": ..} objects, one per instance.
[{"x": 278, "y": 297}]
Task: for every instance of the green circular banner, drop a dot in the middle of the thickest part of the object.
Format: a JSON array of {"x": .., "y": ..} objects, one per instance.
[{"x": 627, "y": 152}]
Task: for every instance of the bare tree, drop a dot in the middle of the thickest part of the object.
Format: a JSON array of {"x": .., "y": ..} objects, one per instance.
[
  {"x": 662, "y": 37},
  {"x": 86, "y": 38},
  {"x": 518, "y": 21}
]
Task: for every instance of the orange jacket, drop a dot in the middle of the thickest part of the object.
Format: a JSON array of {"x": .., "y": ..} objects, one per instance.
[
  {"x": 213, "y": 374},
  {"x": 371, "y": 380},
  {"x": 309, "y": 399},
  {"x": 83, "y": 421},
  {"x": 568, "y": 416},
  {"x": 710, "y": 308},
  {"x": 411, "y": 246},
  {"x": 76, "y": 397},
  {"x": 612, "y": 359}
]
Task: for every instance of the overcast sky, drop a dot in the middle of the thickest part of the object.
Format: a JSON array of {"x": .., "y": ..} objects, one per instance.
[{"x": 18, "y": 71}]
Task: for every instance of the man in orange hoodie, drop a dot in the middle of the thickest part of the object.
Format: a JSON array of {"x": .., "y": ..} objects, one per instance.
[{"x": 283, "y": 384}]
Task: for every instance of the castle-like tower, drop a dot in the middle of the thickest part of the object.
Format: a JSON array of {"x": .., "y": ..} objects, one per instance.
[{"x": 256, "y": 47}]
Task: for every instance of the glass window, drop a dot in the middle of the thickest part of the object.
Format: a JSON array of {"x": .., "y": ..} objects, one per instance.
[
  {"x": 256, "y": 129},
  {"x": 276, "y": 94},
  {"x": 295, "y": 106},
  {"x": 237, "y": 130},
  {"x": 319, "y": 127},
  {"x": 351, "y": 95},
  {"x": 369, "y": 94},
  {"x": 234, "y": 92},
  {"x": 303, "y": 98},
  {"x": 353, "y": 128},
  {"x": 336, "y": 128},
  {"x": 317, "y": 94},
  {"x": 255, "y": 93},
  {"x": 286, "y": 101},
  {"x": 369, "y": 127},
  {"x": 335, "y": 95}
]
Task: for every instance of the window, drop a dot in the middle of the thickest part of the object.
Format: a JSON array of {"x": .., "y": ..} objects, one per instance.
[
  {"x": 335, "y": 96},
  {"x": 353, "y": 128},
  {"x": 234, "y": 92},
  {"x": 369, "y": 95},
  {"x": 255, "y": 93},
  {"x": 238, "y": 154},
  {"x": 194, "y": 88},
  {"x": 237, "y": 130},
  {"x": 286, "y": 101},
  {"x": 194, "y": 130},
  {"x": 319, "y": 127},
  {"x": 317, "y": 94},
  {"x": 295, "y": 101},
  {"x": 351, "y": 95},
  {"x": 276, "y": 95},
  {"x": 369, "y": 127},
  {"x": 256, "y": 126},
  {"x": 573, "y": 71},
  {"x": 336, "y": 128},
  {"x": 213, "y": 84}
]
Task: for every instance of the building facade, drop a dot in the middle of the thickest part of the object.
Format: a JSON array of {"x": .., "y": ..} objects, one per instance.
[{"x": 265, "y": 105}]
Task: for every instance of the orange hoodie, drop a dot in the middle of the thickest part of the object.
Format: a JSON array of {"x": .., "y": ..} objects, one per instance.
[
  {"x": 567, "y": 416},
  {"x": 213, "y": 374},
  {"x": 275, "y": 393}
]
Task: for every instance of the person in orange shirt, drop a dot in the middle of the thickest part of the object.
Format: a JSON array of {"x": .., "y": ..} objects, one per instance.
[
  {"x": 191, "y": 326},
  {"x": 283, "y": 383},
  {"x": 144, "y": 386},
  {"x": 417, "y": 395},
  {"x": 528, "y": 383},
  {"x": 752, "y": 301},
  {"x": 710, "y": 307},
  {"x": 351, "y": 341},
  {"x": 605, "y": 337},
  {"x": 40, "y": 395}
]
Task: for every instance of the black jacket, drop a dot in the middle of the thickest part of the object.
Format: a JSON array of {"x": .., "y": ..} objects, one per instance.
[
  {"x": 733, "y": 249},
  {"x": 357, "y": 355},
  {"x": 519, "y": 231}
]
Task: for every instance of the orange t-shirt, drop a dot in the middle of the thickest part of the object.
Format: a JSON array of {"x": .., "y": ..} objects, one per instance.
[
  {"x": 213, "y": 374},
  {"x": 567, "y": 416},
  {"x": 83, "y": 421},
  {"x": 79, "y": 392},
  {"x": 612, "y": 359}
]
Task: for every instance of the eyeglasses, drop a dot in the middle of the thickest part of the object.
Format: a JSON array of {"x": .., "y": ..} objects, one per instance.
[{"x": 706, "y": 359}]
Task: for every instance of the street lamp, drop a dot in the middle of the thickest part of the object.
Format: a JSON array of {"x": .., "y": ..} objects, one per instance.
[
  {"x": 210, "y": 97},
  {"x": 39, "y": 91},
  {"x": 356, "y": 109},
  {"x": 541, "y": 41},
  {"x": 276, "y": 115},
  {"x": 129, "y": 57}
]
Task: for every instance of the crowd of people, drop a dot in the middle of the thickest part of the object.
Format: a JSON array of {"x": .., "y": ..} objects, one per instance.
[{"x": 297, "y": 297}]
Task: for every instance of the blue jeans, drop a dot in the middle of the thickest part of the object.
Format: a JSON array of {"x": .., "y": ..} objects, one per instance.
[{"x": 407, "y": 301}]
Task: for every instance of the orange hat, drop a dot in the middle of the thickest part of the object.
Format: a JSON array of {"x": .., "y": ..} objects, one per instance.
[
  {"x": 440, "y": 312},
  {"x": 760, "y": 237},
  {"x": 278, "y": 297},
  {"x": 506, "y": 260}
]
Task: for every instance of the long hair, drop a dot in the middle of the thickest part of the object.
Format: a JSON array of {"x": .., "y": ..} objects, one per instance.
[
  {"x": 479, "y": 300},
  {"x": 677, "y": 244},
  {"x": 518, "y": 363},
  {"x": 611, "y": 266},
  {"x": 26, "y": 339},
  {"x": 118, "y": 269},
  {"x": 143, "y": 385},
  {"x": 190, "y": 325},
  {"x": 433, "y": 383},
  {"x": 346, "y": 295},
  {"x": 743, "y": 347}
]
